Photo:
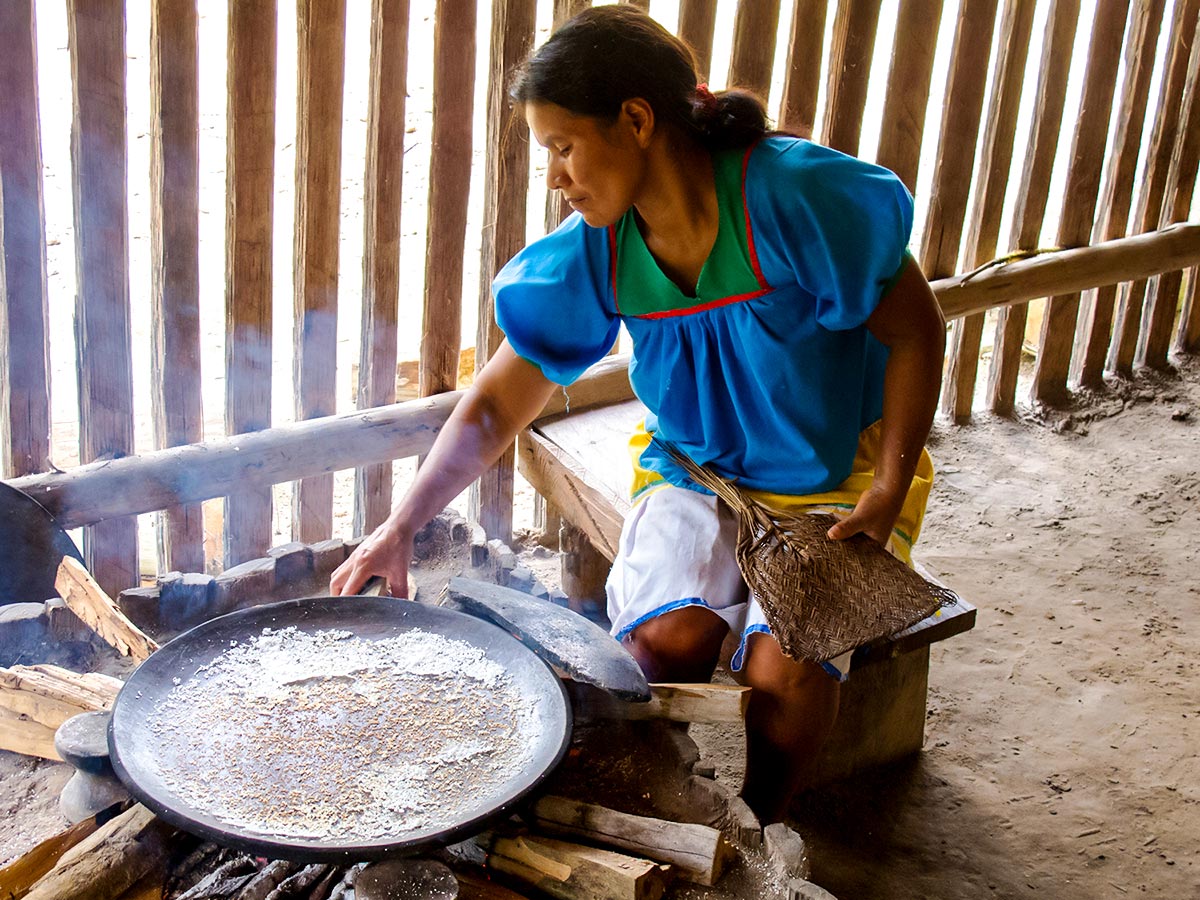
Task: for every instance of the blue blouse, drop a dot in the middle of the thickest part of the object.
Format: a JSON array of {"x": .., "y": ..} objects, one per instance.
[{"x": 768, "y": 373}]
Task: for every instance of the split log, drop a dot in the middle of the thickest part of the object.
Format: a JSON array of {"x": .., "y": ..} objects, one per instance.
[
  {"x": 574, "y": 872},
  {"x": 699, "y": 852},
  {"x": 22, "y": 873},
  {"x": 709, "y": 703},
  {"x": 109, "y": 862},
  {"x": 84, "y": 598},
  {"x": 225, "y": 881},
  {"x": 477, "y": 887},
  {"x": 854, "y": 27},
  {"x": 802, "y": 79},
  {"x": 36, "y": 700}
]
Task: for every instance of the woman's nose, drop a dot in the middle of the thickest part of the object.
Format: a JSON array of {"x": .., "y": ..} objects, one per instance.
[{"x": 556, "y": 175}]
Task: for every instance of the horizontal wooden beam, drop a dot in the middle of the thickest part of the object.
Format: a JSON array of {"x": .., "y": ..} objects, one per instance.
[
  {"x": 164, "y": 478},
  {"x": 1067, "y": 271}
]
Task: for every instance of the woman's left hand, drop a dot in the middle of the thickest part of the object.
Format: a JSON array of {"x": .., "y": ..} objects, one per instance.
[{"x": 874, "y": 515}]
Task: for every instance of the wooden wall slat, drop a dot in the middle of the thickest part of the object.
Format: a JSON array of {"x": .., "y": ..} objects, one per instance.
[
  {"x": 249, "y": 212},
  {"x": 320, "y": 62},
  {"x": 102, "y": 318},
  {"x": 506, "y": 182},
  {"x": 382, "y": 197},
  {"x": 1126, "y": 328},
  {"x": 556, "y": 205},
  {"x": 902, "y": 130},
  {"x": 854, "y": 26},
  {"x": 1096, "y": 312},
  {"x": 1081, "y": 194},
  {"x": 1030, "y": 209},
  {"x": 175, "y": 261},
  {"x": 24, "y": 328},
  {"x": 449, "y": 186},
  {"x": 754, "y": 28},
  {"x": 958, "y": 388},
  {"x": 697, "y": 22},
  {"x": 643, "y": 5},
  {"x": 965, "y": 88},
  {"x": 1163, "y": 299},
  {"x": 1189, "y": 323},
  {"x": 802, "y": 75}
]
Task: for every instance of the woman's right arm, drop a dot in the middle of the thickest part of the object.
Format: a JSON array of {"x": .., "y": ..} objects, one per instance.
[{"x": 507, "y": 395}]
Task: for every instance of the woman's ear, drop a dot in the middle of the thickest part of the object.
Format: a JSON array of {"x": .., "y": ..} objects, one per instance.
[{"x": 639, "y": 116}]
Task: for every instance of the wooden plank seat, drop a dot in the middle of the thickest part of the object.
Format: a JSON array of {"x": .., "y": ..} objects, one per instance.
[{"x": 579, "y": 463}]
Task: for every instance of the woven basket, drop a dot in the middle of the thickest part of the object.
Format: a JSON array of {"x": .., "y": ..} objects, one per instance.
[{"x": 821, "y": 597}]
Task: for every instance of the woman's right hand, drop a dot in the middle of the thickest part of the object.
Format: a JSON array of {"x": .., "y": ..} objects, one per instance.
[{"x": 385, "y": 552}]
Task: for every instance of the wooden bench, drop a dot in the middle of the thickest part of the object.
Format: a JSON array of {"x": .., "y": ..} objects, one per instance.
[{"x": 579, "y": 463}]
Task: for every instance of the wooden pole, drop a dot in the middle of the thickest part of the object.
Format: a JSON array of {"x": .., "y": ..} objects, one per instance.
[
  {"x": 1096, "y": 312},
  {"x": 175, "y": 261},
  {"x": 382, "y": 190},
  {"x": 802, "y": 78},
  {"x": 1034, "y": 191},
  {"x": 1128, "y": 322},
  {"x": 25, "y": 371},
  {"x": 697, "y": 22},
  {"x": 151, "y": 481},
  {"x": 449, "y": 187},
  {"x": 958, "y": 388},
  {"x": 854, "y": 28},
  {"x": 1163, "y": 299},
  {"x": 1083, "y": 185},
  {"x": 903, "y": 128},
  {"x": 956, "y": 144},
  {"x": 753, "y": 56},
  {"x": 321, "y": 56},
  {"x": 102, "y": 321},
  {"x": 506, "y": 183},
  {"x": 249, "y": 209}
]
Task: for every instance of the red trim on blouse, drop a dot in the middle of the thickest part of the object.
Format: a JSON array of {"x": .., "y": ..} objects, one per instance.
[
  {"x": 758, "y": 273},
  {"x": 612, "y": 264},
  {"x": 701, "y": 307}
]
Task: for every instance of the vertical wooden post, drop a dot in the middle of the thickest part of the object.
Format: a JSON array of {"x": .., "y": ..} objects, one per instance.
[
  {"x": 25, "y": 371},
  {"x": 249, "y": 209},
  {"x": 382, "y": 195},
  {"x": 1083, "y": 185},
  {"x": 802, "y": 81},
  {"x": 956, "y": 142},
  {"x": 1188, "y": 340},
  {"x": 903, "y": 127},
  {"x": 105, "y": 371},
  {"x": 1034, "y": 191},
  {"x": 1123, "y": 349},
  {"x": 321, "y": 56},
  {"x": 754, "y": 29},
  {"x": 1096, "y": 313},
  {"x": 449, "y": 186},
  {"x": 643, "y": 5},
  {"x": 175, "y": 261},
  {"x": 697, "y": 22},
  {"x": 854, "y": 28},
  {"x": 556, "y": 205},
  {"x": 1163, "y": 299},
  {"x": 958, "y": 389},
  {"x": 506, "y": 182}
]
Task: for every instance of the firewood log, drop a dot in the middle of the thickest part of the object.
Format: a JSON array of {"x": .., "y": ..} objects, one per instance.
[{"x": 85, "y": 598}]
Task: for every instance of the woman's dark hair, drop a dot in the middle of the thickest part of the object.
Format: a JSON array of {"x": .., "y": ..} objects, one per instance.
[{"x": 609, "y": 54}]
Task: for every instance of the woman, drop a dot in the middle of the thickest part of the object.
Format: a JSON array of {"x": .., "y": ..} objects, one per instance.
[{"x": 781, "y": 336}]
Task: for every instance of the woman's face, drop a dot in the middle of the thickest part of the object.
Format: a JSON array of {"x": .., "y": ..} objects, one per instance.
[{"x": 598, "y": 167}]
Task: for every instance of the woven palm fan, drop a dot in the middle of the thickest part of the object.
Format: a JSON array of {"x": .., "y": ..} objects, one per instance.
[{"x": 821, "y": 597}]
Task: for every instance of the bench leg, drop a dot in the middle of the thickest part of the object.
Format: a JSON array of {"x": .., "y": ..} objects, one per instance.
[
  {"x": 547, "y": 521},
  {"x": 881, "y": 717},
  {"x": 584, "y": 572}
]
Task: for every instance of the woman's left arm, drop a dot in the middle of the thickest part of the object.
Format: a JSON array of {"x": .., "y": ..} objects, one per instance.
[{"x": 909, "y": 322}]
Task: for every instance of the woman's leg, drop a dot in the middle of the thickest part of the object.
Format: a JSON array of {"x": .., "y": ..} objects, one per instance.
[
  {"x": 792, "y": 709},
  {"x": 681, "y": 645}
]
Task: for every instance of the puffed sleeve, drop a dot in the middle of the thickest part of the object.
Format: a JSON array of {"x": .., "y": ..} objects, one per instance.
[
  {"x": 552, "y": 301},
  {"x": 839, "y": 225}
]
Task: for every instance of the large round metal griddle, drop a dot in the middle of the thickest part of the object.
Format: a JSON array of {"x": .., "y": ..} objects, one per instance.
[
  {"x": 34, "y": 545},
  {"x": 139, "y": 751}
]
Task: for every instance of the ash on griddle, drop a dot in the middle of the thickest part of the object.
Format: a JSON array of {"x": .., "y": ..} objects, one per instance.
[{"x": 324, "y": 735}]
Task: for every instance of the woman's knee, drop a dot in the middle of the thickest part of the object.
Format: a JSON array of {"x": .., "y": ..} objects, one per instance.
[{"x": 681, "y": 645}]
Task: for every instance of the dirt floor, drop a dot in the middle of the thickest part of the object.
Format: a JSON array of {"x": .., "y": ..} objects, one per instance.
[{"x": 1060, "y": 755}]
